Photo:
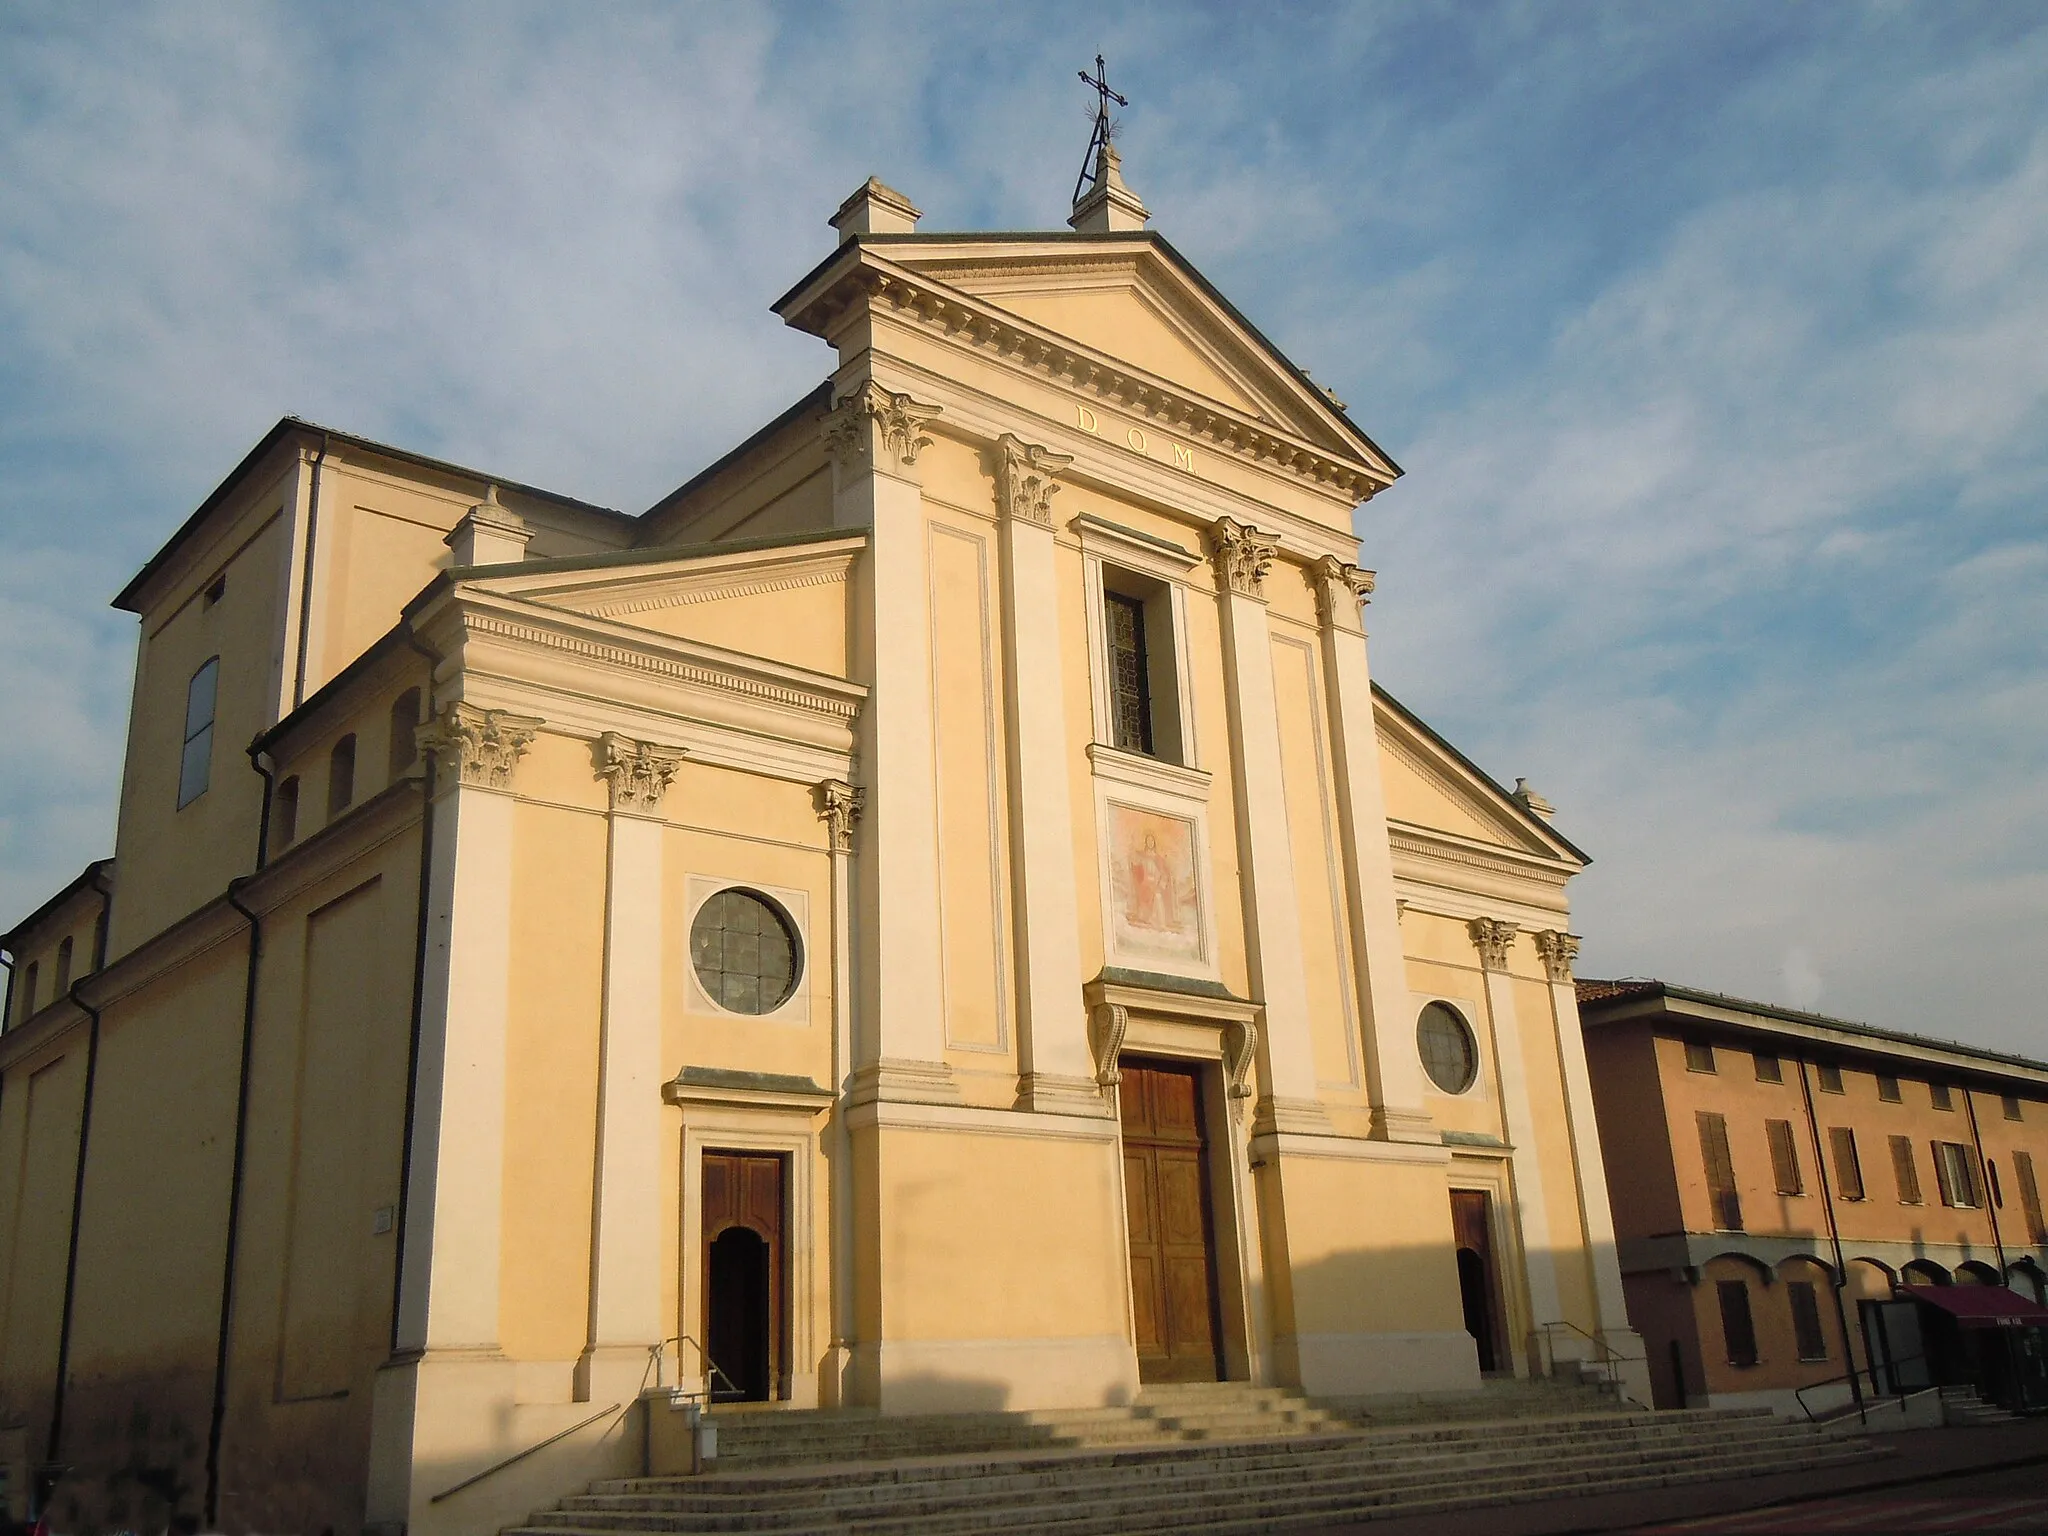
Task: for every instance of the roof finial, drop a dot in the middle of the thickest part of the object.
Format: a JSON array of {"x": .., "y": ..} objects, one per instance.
[{"x": 1101, "y": 200}]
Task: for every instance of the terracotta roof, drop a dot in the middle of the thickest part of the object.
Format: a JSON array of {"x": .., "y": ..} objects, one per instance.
[{"x": 1595, "y": 991}]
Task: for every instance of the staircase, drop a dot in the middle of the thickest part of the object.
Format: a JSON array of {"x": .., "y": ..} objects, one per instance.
[
  {"x": 1225, "y": 1460},
  {"x": 1962, "y": 1408}
]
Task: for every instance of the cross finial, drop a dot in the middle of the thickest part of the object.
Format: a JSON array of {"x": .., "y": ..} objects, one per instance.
[{"x": 1099, "y": 83}]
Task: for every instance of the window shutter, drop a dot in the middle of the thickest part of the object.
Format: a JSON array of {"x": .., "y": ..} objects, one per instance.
[
  {"x": 1720, "y": 1166},
  {"x": 1848, "y": 1171},
  {"x": 1737, "y": 1328},
  {"x": 1813, "y": 1343},
  {"x": 1784, "y": 1157},
  {"x": 2030, "y": 1195},
  {"x": 1905, "y": 1170}
]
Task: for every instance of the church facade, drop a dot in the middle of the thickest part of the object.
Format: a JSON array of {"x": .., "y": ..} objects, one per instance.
[{"x": 933, "y": 915}]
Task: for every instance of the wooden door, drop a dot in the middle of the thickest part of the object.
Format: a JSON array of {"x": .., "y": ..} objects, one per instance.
[
  {"x": 1478, "y": 1278},
  {"x": 744, "y": 1323},
  {"x": 1166, "y": 1189}
]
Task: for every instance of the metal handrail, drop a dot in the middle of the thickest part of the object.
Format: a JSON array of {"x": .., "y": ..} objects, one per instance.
[
  {"x": 1613, "y": 1357},
  {"x": 1890, "y": 1366},
  {"x": 711, "y": 1367},
  {"x": 518, "y": 1456}
]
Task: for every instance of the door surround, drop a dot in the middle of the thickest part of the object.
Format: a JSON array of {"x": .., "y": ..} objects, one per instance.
[
  {"x": 749, "y": 1112},
  {"x": 1214, "y": 1033}
]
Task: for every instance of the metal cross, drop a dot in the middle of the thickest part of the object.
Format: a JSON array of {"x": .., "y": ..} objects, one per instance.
[{"x": 1099, "y": 82}]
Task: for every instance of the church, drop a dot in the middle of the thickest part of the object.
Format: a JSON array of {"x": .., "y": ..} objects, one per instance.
[{"x": 934, "y": 915}]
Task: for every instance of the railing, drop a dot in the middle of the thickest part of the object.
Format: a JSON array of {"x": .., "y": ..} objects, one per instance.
[
  {"x": 1610, "y": 1358},
  {"x": 711, "y": 1368},
  {"x": 519, "y": 1456},
  {"x": 1890, "y": 1369}
]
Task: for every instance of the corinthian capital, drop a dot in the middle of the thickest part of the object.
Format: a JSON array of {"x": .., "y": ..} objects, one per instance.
[
  {"x": 638, "y": 772},
  {"x": 1341, "y": 590},
  {"x": 869, "y": 416},
  {"x": 1242, "y": 554},
  {"x": 1026, "y": 479},
  {"x": 1558, "y": 950},
  {"x": 1494, "y": 939},
  {"x": 482, "y": 745},
  {"x": 839, "y": 807}
]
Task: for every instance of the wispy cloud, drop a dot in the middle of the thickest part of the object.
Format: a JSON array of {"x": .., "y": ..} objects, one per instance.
[{"x": 1710, "y": 340}]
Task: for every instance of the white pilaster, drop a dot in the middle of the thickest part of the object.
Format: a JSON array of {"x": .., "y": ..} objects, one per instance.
[
  {"x": 1393, "y": 1067},
  {"x": 1055, "y": 1064},
  {"x": 1494, "y": 939},
  {"x": 840, "y": 806},
  {"x": 875, "y": 436},
  {"x": 1558, "y": 950},
  {"x": 1279, "y": 975},
  {"x": 625, "y": 1260},
  {"x": 449, "y": 1292}
]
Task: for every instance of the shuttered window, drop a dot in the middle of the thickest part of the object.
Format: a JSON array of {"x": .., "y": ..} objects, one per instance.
[
  {"x": 2010, "y": 1103},
  {"x": 1785, "y": 1157},
  {"x": 1830, "y": 1078},
  {"x": 1887, "y": 1088},
  {"x": 1769, "y": 1069},
  {"x": 1848, "y": 1168},
  {"x": 1737, "y": 1328},
  {"x": 1938, "y": 1096},
  {"x": 2030, "y": 1195},
  {"x": 1720, "y": 1166},
  {"x": 1905, "y": 1171},
  {"x": 1699, "y": 1056},
  {"x": 1952, "y": 1171},
  {"x": 1813, "y": 1343}
]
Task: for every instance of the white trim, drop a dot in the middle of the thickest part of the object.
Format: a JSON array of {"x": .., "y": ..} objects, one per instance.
[{"x": 795, "y": 1009}]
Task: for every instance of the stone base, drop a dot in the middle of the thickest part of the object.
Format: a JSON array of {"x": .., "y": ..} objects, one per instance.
[
  {"x": 993, "y": 1375},
  {"x": 1363, "y": 1364}
]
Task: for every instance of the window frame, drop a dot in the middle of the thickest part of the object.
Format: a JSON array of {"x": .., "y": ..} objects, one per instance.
[
  {"x": 1776, "y": 1074},
  {"x": 199, "y": 767},
  {"x": 1471, "y": 1037},
  {"x": 1154, "y": 570},
  {"x": 1829, "y": 1076},
  {"x": 1952, "y": 1168},
  {"x": 1785, "y": 1168},
  {"x": 1699, "y": 1057},
  {"x": 1848, "y": 1163},
  {"x": 1906, "y": 1171},
  {"x": 1717, "y": 1157},
  {"x": 1723, "y": 1291},
  {"x": 1808, "y": 1328},
  {"x": 1889, "y": 1090}
]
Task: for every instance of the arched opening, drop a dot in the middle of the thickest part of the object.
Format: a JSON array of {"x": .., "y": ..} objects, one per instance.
[
  {"x": 2025, "y": 1277},
  {"x": 1475, "y": 1292},
  {"x": 1971, "y": 1272},
  {"x": 1923, "y": 1272},
  {"x": 739, "y": 1304}
]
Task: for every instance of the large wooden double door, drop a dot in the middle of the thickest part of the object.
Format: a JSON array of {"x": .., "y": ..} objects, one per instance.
[{"x": 1172, "y": 1234}]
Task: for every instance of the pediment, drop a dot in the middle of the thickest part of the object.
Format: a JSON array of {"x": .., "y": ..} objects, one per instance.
[
  {"x": 1134, "y": 302},
  {"x": 1429, "y": 785}
]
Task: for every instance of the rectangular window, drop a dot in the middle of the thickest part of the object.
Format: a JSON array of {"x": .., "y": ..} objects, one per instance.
[
  {"x": 1952, "y": 1171},
  {"x": 1813, "y": 1343},
  {"x": 1888, "y": 1088},
  {"x": 1905, "y": 1171},
  {"x": 1130, "y": 693},
  {"x": 1830, "y": 1078},
  {"x": 1699, "y": 1057},
  {"x": 2030, "y": 1195},
  {"x": 1991, "y": 1177},
  {"x": 2011, "y": 1104},
  {"x": 1720, "y": 1166},
  {"x": 195, "y": 768},
  {"x": 1848, "y": 1169},
  {"x": 1769, "y": 1069},
  {"x": 1737, "y": 1328},
  {"x": 1785, "y": 1157},
  {"x": 1938, "y": 1094}
]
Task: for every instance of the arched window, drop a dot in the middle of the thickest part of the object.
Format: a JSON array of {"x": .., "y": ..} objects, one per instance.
[
  {"x": 284, "y": 813},
  {"x": 28, "y": 994},
  {"x": 341, "y": 776},
  {"x": 63, "y": 967},
  {"x": 195, "y": 767},
  {"x": 405, "y": 719}
]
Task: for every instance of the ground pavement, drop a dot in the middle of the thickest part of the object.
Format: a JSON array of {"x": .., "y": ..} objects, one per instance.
[{"x": 1990, "y": 1479}]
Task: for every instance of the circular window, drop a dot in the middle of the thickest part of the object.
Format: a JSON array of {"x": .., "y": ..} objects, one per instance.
[
  {"x": 1448, "y": 1053},
  {"x": 745, "y": 951}
]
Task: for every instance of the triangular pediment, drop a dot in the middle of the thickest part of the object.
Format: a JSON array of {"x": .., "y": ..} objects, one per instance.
[
  {"x": 1429, "y": 785},
  {"x": 1125, "y": 316}
]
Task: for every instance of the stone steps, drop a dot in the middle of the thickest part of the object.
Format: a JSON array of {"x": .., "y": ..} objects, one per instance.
[{"x": 1218, "y": 1487}]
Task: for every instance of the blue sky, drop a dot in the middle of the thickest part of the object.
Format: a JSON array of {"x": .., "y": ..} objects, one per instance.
[{"x": 1711, "y": 338}]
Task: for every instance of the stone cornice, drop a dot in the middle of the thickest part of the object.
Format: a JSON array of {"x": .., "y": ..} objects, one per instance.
[
  {"x": 939, "y": 308},
  {"x": 1448, "y": 848}
]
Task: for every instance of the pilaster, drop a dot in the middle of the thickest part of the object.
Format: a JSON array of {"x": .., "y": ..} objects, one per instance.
[
  {"x": 1243, "y": 555},
  {"x": 1494, "y": 940},
  {"x": 1558, "y": 951},
  {"x": 625, "y": 1266},
  {"x": 839, "y": 807},
  {"x": 1055, "y": 1067},
  {"x": 875, "y": 436},
  {"x": 1392, "y": 1066}
]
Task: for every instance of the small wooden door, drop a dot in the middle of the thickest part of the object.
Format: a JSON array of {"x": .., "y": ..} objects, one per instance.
[
  {"x": 1478, "y": 1279},
  {"x": 1166, "y": 1189},
  {"x": 744, "y": 1244}
]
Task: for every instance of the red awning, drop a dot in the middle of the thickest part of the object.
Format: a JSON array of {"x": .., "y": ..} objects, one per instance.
[{"x": 1981, "y": 1306}]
